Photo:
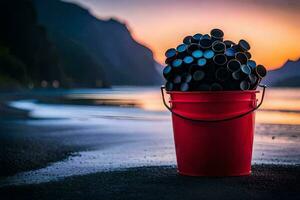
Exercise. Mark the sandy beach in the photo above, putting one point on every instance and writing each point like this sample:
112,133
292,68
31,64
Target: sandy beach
266,182
76,151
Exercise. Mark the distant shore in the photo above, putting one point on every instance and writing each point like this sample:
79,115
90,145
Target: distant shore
266,182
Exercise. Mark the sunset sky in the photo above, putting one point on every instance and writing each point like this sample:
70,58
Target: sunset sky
271,27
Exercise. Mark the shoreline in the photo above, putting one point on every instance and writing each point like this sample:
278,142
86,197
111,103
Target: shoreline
41,147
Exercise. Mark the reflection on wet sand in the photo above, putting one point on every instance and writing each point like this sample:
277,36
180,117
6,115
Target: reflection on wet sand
274,117
147,99
281,106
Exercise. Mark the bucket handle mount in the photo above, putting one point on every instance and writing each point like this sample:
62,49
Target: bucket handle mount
213,120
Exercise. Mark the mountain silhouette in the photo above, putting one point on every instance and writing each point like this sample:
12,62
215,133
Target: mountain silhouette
286,76
107,43
26,54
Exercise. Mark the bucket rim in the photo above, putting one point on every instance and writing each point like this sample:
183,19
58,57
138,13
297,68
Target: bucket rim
214,92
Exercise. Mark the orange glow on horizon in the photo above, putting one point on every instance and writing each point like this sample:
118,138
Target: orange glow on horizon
272,30
273,38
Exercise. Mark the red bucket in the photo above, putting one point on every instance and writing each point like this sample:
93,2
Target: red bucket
213,131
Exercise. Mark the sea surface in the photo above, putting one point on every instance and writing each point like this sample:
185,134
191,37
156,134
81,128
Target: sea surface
136,130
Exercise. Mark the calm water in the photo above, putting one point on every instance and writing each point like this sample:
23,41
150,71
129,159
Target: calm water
281,106
139,130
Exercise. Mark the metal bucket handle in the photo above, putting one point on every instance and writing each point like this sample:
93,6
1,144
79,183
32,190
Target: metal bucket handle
213,120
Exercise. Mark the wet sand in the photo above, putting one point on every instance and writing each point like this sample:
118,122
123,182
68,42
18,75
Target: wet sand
266,182
24,147
50,149
41,146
